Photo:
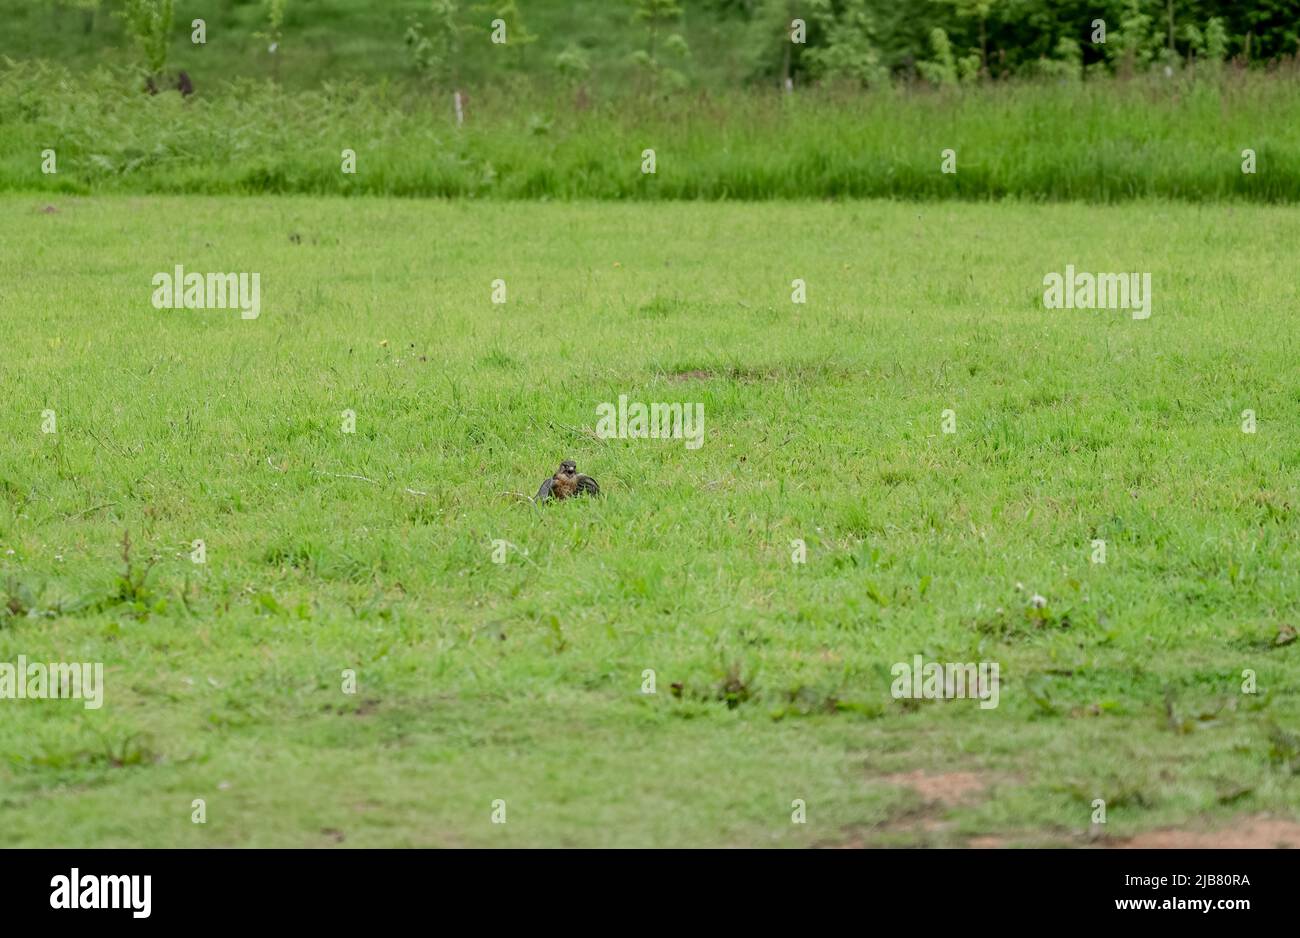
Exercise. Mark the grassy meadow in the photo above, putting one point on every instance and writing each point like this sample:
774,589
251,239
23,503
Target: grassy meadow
1102,142
522,680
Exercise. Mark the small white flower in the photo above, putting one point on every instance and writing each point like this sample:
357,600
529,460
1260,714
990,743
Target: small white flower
1038,602
1020,587
272,47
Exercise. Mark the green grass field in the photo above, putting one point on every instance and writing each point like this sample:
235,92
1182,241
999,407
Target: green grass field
522,681
1104,141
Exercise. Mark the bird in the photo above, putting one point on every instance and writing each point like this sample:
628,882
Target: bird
566,483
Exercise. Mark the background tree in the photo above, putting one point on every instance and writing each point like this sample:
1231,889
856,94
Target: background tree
150,22
518,38
846,49
274,32
662,20
1133,46
433,48
977,12
1066,64
769,52
941,69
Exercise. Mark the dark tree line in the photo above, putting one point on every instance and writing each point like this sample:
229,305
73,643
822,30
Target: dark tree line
875,40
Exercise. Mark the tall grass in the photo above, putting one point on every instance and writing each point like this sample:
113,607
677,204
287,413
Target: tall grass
1105,141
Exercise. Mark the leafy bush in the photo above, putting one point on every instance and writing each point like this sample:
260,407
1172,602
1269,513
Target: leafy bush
847,51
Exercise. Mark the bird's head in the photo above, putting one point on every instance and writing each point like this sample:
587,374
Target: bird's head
568,468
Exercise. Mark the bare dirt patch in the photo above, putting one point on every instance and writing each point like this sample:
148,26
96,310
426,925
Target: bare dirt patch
945,788
1259,832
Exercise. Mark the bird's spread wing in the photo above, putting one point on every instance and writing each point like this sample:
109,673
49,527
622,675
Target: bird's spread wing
588,484
545,491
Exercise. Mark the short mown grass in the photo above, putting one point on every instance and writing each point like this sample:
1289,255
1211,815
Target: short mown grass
522,681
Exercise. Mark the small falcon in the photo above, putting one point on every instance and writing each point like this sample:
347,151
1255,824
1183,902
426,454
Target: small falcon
566,483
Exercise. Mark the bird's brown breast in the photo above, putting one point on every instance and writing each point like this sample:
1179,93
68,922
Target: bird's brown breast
565,486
